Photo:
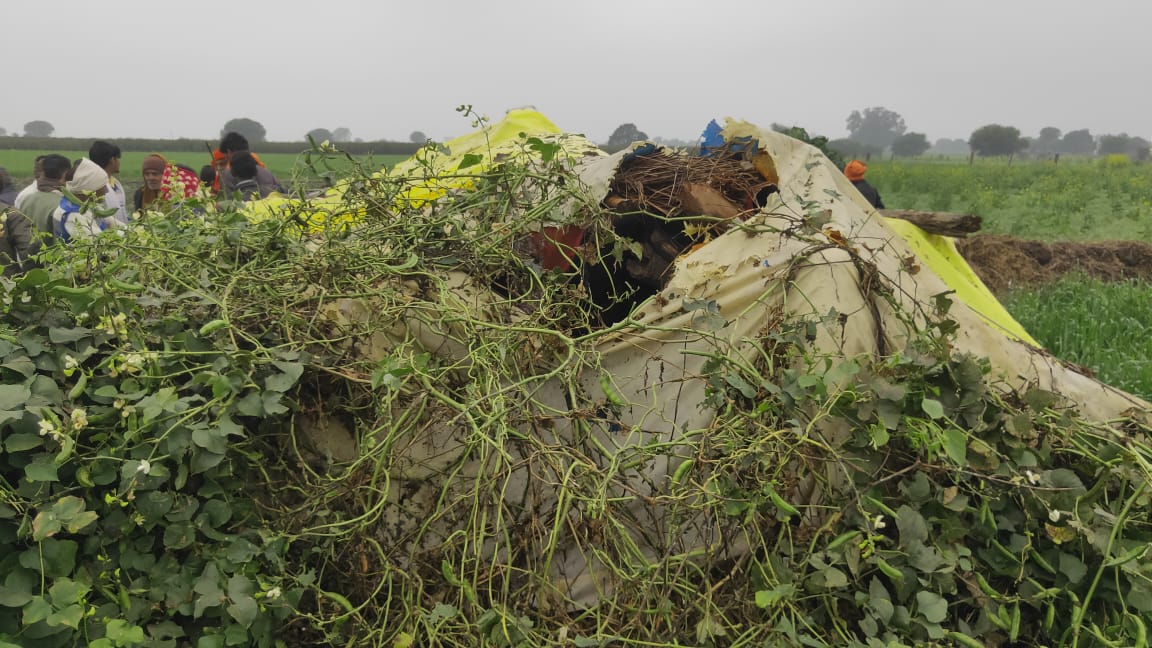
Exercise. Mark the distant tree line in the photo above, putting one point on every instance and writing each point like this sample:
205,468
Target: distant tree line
872,131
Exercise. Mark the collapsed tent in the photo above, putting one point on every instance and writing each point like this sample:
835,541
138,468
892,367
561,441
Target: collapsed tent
811,257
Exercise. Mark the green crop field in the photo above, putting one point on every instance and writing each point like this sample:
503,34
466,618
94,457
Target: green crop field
1098,325
1106,199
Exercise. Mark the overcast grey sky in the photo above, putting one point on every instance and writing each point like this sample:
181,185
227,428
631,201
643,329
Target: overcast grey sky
145,68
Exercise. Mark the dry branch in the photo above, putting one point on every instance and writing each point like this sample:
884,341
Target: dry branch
943,223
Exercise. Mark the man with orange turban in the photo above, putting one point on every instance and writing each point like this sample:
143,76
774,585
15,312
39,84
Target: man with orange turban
855,171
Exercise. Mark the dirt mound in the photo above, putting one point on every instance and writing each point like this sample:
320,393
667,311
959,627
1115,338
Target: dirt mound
1004,262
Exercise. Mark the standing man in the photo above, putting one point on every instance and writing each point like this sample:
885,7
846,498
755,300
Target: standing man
40,205
855,171
107,156
30,189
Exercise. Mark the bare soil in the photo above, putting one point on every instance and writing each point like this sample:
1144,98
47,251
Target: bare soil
1004,263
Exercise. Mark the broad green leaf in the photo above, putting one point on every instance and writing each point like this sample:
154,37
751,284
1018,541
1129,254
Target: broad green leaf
56,557
1140,596
59,335
1072,567
179,535
18,587
469,160
251,404
442,611
932,408
211,641
740,385
769,598
1040,399
244,610
241,551
834,578
230,427
205,460
292,370
879,435
81,521
1063,478
956,445
886,390
890,414
124,633
210,439
13,397
70,616
45,392
22,365
66,591
41,470
880,601
239,586
216,513
45,525
164,400
37,609
271,402
236,635
913,528
917,488
22,441
932,606
67,507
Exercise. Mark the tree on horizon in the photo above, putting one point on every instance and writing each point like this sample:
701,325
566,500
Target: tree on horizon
250,128
38,128
876,126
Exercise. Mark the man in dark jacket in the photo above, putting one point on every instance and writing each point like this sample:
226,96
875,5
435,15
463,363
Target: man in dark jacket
855,171
234,142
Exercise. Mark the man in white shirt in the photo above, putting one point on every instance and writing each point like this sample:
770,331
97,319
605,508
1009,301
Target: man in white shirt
37,170
107,156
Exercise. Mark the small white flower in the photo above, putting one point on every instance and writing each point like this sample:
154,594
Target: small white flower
47,427
1033,478
79,419
70,362
273,593
133,362
144,467
1054,515
24,299
879,522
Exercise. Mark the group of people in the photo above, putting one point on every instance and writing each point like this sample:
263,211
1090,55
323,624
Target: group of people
70,199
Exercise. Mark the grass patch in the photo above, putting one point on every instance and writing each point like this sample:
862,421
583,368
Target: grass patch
1075,200
1103,326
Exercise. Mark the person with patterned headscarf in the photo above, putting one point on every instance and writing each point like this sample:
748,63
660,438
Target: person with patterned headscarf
855,171
164,181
